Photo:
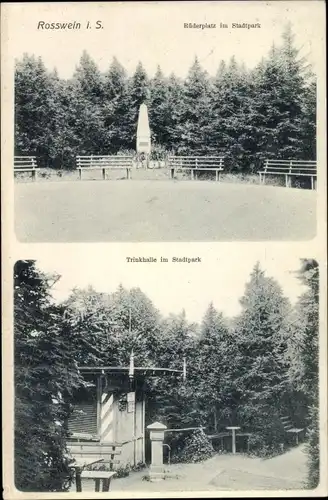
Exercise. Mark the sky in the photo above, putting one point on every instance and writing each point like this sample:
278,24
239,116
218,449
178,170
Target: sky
154,33
220,277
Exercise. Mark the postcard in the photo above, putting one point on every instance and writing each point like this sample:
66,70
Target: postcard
164,228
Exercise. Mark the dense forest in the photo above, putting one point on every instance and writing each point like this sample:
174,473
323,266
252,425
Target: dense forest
251,370
244,114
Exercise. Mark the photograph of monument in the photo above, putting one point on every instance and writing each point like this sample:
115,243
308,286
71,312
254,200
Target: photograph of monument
211,139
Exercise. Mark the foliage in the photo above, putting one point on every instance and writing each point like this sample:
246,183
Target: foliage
45,376
245,115
260,372
303,355
313,449
211,377
197,448
249,371
106,328
195,114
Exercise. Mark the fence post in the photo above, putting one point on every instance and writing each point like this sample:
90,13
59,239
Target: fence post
78,481
156,472
233,430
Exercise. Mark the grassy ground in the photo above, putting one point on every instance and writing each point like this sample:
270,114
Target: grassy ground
92,211
225,472
51,175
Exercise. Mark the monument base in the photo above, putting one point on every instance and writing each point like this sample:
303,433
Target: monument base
156,473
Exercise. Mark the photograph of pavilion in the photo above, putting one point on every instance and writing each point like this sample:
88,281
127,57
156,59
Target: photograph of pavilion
212,139
208,382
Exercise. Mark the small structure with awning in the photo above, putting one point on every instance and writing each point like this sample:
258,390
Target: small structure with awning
110,412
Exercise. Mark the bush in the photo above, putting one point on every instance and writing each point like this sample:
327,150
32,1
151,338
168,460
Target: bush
122,471
260,448
158,153
126,152
197,448
312,448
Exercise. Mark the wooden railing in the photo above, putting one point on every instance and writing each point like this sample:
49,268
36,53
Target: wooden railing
290,429
104,163
26,164
196,164
86,454
290,169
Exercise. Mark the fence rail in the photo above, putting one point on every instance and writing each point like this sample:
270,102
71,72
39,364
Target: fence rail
103,163
196,164
26,164
290,169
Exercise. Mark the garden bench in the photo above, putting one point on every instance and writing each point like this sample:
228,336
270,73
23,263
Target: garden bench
104,163
290,169
290,429
196,164
26,164
87,453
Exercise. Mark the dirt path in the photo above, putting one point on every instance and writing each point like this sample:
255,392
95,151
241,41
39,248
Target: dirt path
90,211
226,472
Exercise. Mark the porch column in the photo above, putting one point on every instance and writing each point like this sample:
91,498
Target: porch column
106,430
156,472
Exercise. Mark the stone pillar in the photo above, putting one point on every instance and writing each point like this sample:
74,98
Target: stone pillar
156,472
233,430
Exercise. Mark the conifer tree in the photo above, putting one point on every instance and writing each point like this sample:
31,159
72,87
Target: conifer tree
309,120
212,384
89,79
139,87
117,104
87,106
277,111
171,399
45,376
36,110
107,327
304,361
294,87
229,121
260,372
158,109
174,113
195,116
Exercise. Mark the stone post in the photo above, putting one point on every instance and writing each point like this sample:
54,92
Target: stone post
156,472
233,430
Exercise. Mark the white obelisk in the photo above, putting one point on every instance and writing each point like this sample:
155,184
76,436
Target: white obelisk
143,131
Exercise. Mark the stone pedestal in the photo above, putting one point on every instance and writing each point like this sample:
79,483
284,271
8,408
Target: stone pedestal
156,472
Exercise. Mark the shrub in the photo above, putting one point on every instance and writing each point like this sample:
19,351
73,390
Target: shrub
197,448
123,471
158,152
124,152
312,448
